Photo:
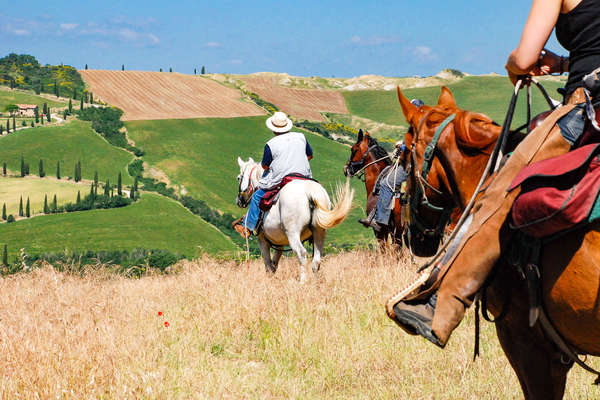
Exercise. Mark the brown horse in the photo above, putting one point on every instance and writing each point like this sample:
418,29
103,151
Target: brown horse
369,158
570,271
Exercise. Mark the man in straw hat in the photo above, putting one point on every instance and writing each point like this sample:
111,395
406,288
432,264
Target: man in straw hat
287,153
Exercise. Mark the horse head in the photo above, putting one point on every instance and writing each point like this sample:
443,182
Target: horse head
448,149
363,153
247,181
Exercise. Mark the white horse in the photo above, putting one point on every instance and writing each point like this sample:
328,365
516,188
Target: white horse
302,211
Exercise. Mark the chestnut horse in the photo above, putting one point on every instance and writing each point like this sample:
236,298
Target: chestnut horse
368,158
570,273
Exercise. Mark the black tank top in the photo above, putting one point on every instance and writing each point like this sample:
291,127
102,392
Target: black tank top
578,31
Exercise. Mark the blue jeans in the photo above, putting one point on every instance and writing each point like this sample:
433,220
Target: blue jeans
386,194
253,214
571,125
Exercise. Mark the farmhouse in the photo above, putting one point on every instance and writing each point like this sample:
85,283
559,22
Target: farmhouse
26,110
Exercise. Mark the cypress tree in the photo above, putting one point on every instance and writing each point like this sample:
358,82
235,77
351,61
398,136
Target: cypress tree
65,113
4,168
134,188
119,186
194,71
42,120
170,69
75,174
48,115
122,67
4,211
42,173
32,124
203,70
21,206
78,198
81,103
22,166
36,112
56,92
14,123
45,109
1,129
92,194
26,168
96,178
58,170
46,210
74,94
91,98
5,256
54,205
107,188
86,67
7,125
27,209
70,106
160,70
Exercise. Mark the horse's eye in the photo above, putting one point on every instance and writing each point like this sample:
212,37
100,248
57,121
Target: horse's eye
239,178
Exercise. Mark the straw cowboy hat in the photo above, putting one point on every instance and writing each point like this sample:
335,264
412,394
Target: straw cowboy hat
279,123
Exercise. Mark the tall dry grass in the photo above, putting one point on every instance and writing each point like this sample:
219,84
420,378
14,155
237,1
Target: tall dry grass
237,333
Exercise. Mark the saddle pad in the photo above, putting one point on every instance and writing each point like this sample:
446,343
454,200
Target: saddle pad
271,195
558,193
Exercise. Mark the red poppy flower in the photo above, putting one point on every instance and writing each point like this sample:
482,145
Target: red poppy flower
159,313
167,324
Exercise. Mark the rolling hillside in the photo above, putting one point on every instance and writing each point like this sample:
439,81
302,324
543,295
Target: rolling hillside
68,143
145,95
154,222
8,96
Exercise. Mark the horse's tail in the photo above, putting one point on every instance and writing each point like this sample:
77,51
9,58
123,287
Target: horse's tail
326,218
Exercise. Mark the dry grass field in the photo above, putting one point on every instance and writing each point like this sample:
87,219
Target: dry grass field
235,333
144,95
300,103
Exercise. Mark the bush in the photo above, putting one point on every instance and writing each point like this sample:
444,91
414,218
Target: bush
107,122
10,218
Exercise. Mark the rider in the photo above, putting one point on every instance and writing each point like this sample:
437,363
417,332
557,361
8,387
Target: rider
380,215
287,153
440,305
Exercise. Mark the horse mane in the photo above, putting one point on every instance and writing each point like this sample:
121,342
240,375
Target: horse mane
475,130
378,151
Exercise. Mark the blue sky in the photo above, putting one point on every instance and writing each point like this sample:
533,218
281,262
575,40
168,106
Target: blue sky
324,38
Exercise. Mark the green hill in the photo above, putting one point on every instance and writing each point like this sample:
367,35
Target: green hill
8,96
154,222
25,72
68,144
486,94
200,156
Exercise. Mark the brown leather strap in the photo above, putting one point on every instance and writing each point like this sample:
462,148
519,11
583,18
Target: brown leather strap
576,97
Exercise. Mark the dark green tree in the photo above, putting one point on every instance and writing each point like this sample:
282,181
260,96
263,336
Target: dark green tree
26,168
119,185
56,92
96,180
160,70
107,188
70,106
4,168
91,98
4,211
7,125
5,256
134,188
58,170
32,124
41,169
78,198
45,109
27,209
170,69
81,103
92,194
203,70
38,89
46,209
86,67
22,166
36,112
54,204
122,67
14,124
74,94
65,113
21,206
194,71
48,116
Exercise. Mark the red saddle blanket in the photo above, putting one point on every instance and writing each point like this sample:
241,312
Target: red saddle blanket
270,196
558,193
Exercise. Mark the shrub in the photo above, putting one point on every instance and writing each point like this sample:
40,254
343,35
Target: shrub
10,218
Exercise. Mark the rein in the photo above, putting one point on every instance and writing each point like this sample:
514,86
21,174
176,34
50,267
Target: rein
360,173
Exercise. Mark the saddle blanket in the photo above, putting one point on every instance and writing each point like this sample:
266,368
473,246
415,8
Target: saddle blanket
271,195
558,193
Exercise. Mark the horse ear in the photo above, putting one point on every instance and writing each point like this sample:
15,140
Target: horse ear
367,134
360,136
240,162
251,160
446,98
408,108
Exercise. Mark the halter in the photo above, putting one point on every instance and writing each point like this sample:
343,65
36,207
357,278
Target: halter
420,197
250,190
361,172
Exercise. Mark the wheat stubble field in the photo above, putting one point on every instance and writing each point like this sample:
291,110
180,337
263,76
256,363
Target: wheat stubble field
236,333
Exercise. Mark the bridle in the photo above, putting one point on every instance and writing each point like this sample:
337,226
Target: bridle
360,164
249,190
420,199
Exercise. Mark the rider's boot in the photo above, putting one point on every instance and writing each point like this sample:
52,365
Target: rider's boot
238,226
370,222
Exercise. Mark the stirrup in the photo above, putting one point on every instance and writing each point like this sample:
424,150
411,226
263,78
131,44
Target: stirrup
411,290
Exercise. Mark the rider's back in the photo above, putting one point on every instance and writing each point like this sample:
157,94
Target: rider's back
289,156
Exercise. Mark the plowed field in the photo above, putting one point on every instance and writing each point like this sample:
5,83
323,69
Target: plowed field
144,95
300,103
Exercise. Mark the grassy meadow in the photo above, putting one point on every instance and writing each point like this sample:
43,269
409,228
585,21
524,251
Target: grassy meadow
200,155
234,333
485,94
154,222
12,188
67,143
8,96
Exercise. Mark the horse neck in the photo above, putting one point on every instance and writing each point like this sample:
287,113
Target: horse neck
256,174
372,173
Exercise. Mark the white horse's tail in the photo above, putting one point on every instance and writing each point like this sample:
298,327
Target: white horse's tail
325,218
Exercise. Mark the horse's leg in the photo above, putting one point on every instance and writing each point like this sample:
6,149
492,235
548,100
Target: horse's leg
318,244
298,248
276,257
265,251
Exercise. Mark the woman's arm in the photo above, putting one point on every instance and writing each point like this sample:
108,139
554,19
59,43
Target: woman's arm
540,23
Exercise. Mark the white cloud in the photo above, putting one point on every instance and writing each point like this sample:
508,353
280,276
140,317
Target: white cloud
213,44
68,26
236,61
374,40
424,53
20,32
